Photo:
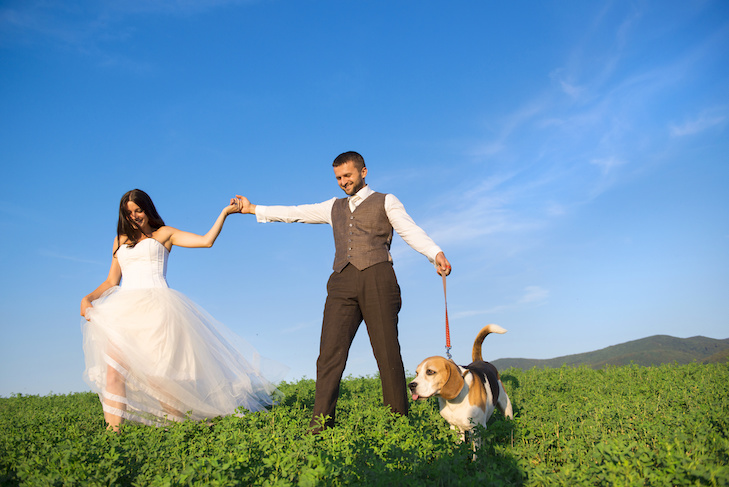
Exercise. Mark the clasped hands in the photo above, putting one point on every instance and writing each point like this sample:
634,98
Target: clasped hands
241,204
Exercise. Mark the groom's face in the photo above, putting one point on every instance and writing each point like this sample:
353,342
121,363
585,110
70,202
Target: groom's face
349,178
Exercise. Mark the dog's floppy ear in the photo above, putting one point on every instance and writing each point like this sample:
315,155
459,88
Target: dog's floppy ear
454,382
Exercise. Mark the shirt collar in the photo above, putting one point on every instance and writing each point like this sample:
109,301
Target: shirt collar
364,192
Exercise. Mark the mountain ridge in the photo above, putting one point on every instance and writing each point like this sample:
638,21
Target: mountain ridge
653,350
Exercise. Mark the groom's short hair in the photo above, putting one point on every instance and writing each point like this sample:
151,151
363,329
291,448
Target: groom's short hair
352,156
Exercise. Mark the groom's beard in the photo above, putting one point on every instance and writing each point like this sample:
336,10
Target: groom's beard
354,189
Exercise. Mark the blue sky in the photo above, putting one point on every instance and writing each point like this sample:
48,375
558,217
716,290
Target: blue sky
570,158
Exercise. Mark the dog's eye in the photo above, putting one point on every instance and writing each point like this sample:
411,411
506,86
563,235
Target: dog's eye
429,372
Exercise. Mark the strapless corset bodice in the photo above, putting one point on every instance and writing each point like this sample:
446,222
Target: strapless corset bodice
144,265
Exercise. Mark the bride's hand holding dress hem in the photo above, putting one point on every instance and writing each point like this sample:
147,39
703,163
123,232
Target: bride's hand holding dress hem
112,280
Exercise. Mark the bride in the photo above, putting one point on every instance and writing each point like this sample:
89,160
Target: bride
151,353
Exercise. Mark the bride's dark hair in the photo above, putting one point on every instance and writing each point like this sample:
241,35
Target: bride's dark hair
125,226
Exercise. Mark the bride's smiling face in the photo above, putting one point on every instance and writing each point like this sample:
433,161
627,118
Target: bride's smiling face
137,216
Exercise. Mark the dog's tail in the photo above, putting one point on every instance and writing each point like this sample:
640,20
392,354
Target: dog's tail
476,355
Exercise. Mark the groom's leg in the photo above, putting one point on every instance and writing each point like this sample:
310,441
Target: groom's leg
342,318
380,303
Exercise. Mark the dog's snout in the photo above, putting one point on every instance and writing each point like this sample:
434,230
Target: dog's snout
413,385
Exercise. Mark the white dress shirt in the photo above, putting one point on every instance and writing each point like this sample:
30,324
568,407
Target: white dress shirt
401,222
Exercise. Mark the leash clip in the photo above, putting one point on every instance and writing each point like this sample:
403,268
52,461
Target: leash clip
448,353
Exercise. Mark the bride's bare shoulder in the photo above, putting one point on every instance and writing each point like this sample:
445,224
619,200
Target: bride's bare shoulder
163,233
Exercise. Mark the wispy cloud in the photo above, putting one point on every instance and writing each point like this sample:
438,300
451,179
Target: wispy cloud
532,296
541,164
480,312
607,164
554,154
56,255
509,124
170,6
298,327
697,125
32,22
488,209
90,28
567,86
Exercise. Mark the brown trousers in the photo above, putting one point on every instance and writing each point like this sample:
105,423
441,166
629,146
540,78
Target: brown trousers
353,295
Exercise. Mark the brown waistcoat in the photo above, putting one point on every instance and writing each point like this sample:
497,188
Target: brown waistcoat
362,237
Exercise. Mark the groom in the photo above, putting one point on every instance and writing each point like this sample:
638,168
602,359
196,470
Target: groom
363,285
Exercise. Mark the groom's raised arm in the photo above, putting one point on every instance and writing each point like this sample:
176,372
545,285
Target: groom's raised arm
316,213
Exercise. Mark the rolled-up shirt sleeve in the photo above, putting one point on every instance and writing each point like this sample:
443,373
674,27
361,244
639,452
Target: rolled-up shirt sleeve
411,233
314,213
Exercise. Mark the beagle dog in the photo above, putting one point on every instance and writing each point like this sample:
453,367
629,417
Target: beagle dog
467,395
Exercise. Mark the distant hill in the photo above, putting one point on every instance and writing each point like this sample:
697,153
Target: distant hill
655,350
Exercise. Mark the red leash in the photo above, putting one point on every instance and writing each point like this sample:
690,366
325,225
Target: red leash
448,331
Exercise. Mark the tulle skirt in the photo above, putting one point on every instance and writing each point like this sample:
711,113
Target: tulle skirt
176,361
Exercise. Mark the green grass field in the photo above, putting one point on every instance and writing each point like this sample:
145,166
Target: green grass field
630,425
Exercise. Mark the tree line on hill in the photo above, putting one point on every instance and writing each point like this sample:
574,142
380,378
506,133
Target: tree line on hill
650,351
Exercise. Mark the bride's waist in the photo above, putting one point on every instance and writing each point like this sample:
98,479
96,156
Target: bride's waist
144,283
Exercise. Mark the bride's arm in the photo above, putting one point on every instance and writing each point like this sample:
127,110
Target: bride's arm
173,236
112,280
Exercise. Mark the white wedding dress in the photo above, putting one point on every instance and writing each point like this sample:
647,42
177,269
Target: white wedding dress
177,361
